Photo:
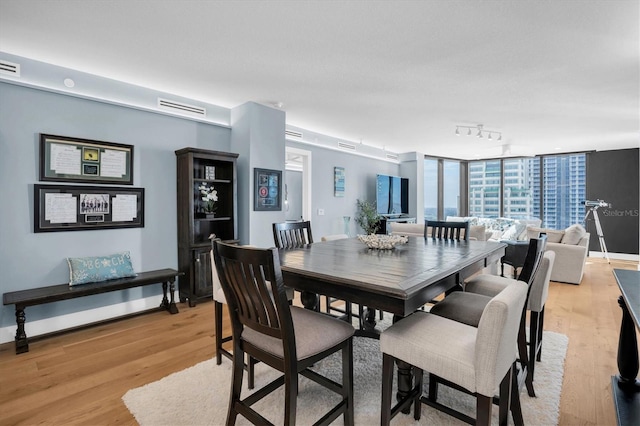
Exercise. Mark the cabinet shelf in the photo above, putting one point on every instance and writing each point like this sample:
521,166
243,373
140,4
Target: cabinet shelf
194,165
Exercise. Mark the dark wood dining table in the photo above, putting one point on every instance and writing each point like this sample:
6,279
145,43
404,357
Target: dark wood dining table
398,281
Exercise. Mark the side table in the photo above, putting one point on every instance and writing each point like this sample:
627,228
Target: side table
514,254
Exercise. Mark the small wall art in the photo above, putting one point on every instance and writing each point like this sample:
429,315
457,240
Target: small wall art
338,181
267,190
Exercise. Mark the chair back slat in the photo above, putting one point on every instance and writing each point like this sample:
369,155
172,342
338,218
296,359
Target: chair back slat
252,282
292,234
532,261
443,230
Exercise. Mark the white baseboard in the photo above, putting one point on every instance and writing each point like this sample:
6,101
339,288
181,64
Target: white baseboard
61,322
616,256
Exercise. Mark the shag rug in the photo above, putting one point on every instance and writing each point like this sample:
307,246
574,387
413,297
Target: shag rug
199,395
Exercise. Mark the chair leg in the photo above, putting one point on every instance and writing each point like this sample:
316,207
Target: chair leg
484,404
236,384
505,398
387,383
516,408
540,333
433,388
290,398
251,362
347,383
534,322
418,374
218,330
523,354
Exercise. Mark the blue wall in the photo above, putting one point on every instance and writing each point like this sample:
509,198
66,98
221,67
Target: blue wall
30,260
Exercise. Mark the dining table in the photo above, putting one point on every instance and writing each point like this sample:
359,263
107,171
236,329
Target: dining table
399,281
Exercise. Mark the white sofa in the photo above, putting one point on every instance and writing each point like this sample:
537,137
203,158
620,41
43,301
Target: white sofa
417,230
571,247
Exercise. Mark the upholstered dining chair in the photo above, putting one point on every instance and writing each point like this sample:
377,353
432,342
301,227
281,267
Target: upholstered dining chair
446,230
467,306
476,360
288,338
489,285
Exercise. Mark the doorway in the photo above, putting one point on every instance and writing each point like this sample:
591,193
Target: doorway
297,192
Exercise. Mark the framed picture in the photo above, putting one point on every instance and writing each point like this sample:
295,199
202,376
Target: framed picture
65,159
338,181
77,208
267,190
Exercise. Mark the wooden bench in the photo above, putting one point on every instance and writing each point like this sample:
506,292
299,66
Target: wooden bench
56,293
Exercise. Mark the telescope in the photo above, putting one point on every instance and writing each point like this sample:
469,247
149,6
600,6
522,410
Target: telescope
597,203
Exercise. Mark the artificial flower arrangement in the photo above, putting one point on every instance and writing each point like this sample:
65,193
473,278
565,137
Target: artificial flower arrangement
209,196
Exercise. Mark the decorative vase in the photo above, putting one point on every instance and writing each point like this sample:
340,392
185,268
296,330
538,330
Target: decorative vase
347,223
210,215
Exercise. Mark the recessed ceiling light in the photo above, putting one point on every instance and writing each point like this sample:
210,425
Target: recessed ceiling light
69,82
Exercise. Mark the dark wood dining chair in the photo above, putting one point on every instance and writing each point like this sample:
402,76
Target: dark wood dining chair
298,234
444,230
288,338
292,234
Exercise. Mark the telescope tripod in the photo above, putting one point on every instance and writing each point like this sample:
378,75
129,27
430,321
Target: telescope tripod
603,245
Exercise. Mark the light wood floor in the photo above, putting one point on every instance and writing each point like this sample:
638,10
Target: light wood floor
80,377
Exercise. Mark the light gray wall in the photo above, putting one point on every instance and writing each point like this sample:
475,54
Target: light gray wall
258,136
293,203
360,183
30,260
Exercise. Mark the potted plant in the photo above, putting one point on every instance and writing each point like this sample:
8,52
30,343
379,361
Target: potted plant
209,196
367,217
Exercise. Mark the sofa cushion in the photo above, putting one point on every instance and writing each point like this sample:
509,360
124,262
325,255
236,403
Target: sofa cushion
553,236
513,232
573,234
84,270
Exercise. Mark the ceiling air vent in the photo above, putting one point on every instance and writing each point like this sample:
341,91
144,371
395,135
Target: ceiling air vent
9,68
293,133
180,107
348,146
392,157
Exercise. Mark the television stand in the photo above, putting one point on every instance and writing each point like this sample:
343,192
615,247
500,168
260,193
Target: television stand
385,220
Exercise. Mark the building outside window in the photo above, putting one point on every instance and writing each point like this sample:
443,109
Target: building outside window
430,189
451,185
551,188
484,188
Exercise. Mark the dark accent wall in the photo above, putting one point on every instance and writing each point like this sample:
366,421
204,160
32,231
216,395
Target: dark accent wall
613,176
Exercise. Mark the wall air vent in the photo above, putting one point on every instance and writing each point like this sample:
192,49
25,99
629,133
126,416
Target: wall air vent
9,68
293,134
348,146
180,107
393,157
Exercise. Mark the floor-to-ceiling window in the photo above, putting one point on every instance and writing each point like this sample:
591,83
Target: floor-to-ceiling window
441,188
564,190
451,188
550,187
485,184
521,186
430,189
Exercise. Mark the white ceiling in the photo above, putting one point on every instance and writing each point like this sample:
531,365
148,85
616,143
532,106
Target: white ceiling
552,76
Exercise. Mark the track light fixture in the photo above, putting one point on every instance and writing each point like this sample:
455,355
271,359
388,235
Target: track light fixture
481,132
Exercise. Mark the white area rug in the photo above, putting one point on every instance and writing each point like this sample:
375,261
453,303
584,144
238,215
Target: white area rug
199,395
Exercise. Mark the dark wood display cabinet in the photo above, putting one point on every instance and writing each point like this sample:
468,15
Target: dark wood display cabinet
197,169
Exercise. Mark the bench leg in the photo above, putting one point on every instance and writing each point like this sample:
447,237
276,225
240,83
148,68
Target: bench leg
22,344
169,306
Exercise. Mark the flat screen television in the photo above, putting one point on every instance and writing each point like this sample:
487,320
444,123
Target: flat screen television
392,195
